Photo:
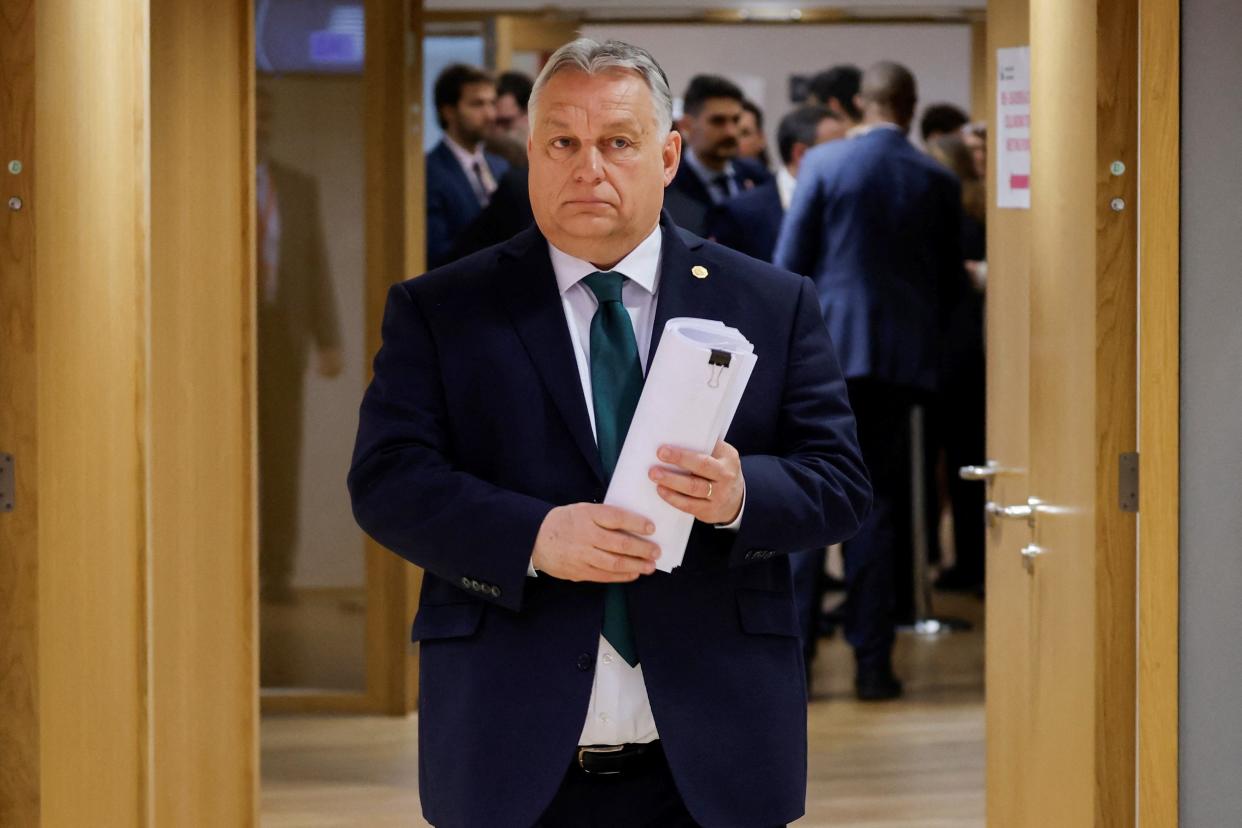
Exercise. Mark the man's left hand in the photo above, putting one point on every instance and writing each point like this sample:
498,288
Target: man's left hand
710,487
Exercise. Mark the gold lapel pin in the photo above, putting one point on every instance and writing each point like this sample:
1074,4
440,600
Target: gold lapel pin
699,272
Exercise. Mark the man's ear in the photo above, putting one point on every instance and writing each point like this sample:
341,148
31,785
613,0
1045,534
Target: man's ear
860,103
795,155
671,155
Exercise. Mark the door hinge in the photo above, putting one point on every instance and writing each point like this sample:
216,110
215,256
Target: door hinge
1128,482
8,482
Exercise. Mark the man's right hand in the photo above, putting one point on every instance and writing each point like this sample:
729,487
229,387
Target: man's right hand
593,542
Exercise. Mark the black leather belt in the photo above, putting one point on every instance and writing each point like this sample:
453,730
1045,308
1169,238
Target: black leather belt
617,760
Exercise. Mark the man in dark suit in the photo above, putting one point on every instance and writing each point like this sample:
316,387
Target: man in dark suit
876,223
563,681
461,176
506,215
751,222
711,171
296,313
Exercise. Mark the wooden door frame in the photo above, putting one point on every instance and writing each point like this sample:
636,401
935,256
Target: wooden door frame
394,243
1159,418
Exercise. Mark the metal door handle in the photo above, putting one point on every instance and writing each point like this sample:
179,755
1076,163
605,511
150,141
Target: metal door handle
986,472
1026,511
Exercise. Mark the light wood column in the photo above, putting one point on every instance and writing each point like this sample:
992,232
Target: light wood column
203,611
1159,405
980,103
92,237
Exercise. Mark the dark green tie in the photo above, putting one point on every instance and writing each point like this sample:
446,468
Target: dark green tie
616,385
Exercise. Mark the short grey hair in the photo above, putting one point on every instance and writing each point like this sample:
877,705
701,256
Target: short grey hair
594,58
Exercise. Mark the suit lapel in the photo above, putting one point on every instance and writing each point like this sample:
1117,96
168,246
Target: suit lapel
680,292
533,303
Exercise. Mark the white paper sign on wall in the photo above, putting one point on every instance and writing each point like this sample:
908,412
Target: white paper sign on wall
1013,127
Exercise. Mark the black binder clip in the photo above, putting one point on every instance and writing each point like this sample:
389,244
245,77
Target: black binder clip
718,361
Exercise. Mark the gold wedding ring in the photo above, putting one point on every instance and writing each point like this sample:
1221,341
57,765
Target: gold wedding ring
709,490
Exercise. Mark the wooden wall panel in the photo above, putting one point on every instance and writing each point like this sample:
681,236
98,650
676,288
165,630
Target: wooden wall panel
1116,357
203,610
91,245
1159,378
1008,680
19,685
980,103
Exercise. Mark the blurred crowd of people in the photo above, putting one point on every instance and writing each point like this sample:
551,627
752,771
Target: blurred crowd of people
893,236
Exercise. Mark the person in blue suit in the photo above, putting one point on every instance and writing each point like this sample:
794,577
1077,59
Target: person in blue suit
711,171
461,176
876,224
751,222
563,680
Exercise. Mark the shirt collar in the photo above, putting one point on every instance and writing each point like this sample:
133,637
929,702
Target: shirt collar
641,266
785,185
464,156
707,176
869,128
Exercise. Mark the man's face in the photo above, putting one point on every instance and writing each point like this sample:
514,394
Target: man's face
713,132
599,163
472,118
750,139
510,119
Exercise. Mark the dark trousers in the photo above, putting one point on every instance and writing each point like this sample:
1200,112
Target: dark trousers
807,569
872,556
645,799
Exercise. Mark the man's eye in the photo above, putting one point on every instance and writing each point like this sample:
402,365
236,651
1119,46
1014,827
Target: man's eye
562,143
619,143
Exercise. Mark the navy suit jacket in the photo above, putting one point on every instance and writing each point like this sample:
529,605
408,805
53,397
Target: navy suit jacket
451,202
688,201
475,426
750,222
876,224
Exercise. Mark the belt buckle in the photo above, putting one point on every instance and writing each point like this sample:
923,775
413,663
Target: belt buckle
601,749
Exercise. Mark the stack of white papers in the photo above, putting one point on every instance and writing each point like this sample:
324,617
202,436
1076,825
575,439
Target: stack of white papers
693,388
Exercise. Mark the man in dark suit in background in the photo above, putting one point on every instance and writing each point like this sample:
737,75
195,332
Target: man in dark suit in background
296,312
711,171
876,223
751,222
461,176
564,681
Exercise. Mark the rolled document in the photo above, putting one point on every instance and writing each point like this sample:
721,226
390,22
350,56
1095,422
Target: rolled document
692,391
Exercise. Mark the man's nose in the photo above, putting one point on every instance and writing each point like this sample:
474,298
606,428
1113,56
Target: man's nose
590,164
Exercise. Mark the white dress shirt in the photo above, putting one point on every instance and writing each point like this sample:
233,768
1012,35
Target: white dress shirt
619,711
785,183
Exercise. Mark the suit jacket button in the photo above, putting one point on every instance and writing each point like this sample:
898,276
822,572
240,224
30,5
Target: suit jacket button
585,661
